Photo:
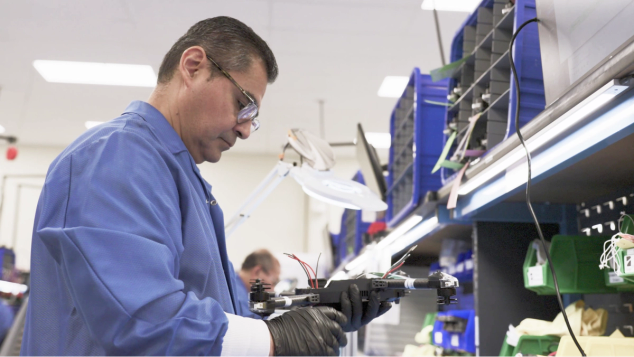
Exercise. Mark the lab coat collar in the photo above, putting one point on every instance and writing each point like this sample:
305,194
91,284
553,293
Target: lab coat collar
167,135
160,126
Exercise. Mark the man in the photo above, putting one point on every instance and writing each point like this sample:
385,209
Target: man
262,265
128,252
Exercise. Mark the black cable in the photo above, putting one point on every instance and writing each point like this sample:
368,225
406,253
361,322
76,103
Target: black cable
317,270
528,183
438,37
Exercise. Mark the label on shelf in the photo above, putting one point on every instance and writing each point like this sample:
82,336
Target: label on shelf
455,340
460,268
438,338
628,261
469,264
536,275
615,279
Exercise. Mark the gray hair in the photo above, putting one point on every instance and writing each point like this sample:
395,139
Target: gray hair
261,257
231,43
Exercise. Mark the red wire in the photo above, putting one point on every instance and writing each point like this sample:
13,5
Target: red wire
309,267
395,268
303,263
310,279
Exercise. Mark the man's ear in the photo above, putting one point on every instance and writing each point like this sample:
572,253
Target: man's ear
192,61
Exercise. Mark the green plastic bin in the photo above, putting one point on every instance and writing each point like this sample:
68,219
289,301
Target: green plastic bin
430,318
576,261
537,278
507,350
612,279
622,280
531,345
626,262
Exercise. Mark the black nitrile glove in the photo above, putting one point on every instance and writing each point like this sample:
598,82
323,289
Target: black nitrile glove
308,331
352,307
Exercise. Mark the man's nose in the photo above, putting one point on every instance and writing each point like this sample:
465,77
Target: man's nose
243,131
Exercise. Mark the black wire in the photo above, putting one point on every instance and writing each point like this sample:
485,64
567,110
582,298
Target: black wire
528,183
317,270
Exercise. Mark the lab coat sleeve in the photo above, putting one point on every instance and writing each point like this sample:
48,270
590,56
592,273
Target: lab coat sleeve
243,298
111,220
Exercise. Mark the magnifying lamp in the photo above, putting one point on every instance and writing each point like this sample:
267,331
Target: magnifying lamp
315,177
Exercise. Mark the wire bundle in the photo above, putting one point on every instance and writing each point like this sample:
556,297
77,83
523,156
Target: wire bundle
609,254
314,283
609,248
399,263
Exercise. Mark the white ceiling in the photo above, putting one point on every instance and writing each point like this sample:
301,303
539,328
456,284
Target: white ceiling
335,50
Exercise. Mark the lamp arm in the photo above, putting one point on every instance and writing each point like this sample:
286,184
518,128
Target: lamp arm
264,189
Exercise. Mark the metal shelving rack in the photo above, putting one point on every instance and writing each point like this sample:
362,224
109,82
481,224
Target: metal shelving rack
574,161
484,80
416,128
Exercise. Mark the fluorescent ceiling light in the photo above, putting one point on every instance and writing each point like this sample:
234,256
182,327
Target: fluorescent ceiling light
12,288
379,140
111,74
91,124
340,275
547,134
399,231
2,129
414,235
357,262
451,5
393,86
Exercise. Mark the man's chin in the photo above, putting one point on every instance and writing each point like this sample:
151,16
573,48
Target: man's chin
213,157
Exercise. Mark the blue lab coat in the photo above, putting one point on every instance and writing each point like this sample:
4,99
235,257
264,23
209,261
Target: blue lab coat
6,319
128,251
242,299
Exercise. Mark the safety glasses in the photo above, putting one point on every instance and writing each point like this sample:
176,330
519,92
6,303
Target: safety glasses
250,111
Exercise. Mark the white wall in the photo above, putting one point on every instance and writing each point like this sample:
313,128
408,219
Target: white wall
278,224
20,197
323,215
287,221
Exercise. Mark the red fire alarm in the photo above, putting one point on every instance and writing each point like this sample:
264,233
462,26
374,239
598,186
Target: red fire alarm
12,152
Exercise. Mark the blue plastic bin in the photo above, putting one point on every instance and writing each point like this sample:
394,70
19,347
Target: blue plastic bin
457,341
350,238
434,267
459,269
416,127
463,270
7,262
466,301
527,58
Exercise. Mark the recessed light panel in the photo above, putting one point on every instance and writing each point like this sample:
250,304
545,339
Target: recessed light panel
451,5
379,140
109,74
393,86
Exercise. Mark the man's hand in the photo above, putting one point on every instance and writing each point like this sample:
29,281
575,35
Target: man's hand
308,331
352,308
